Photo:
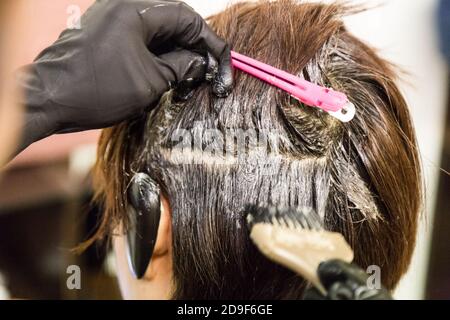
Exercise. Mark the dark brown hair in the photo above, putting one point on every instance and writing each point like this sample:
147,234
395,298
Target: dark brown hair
363,177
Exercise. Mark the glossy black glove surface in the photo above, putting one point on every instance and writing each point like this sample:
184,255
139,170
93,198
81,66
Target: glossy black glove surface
126,54
344,281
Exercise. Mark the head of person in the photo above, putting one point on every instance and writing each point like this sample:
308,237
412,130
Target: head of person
363,177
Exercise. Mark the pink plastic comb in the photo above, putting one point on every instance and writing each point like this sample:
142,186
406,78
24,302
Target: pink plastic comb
333,102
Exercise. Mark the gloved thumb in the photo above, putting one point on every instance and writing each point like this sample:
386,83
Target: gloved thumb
333,271
184,70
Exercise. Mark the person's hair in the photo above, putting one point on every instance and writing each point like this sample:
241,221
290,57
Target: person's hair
363,177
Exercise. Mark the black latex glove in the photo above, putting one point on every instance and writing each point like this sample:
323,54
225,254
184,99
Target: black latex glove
125,56
344,281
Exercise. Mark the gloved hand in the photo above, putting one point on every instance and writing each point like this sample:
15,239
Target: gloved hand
344,281
125,56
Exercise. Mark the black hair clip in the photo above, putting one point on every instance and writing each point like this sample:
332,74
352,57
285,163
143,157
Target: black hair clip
145,212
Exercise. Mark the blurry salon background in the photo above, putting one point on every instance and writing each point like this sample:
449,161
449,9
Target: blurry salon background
45,193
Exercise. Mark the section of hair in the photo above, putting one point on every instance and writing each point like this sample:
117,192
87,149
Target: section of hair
363,177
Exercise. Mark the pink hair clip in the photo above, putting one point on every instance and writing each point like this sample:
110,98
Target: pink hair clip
333,102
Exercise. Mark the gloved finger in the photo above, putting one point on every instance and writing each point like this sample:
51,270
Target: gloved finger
194,32
184,70
213,68
345,281
336,270
340,291
177,21
224,81
220,76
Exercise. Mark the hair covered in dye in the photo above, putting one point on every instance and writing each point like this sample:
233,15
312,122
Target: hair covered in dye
362,177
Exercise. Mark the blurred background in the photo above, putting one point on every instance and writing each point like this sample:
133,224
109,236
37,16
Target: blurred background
45,193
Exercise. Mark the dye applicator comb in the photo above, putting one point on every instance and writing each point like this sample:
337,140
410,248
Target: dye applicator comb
334,102
296,239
